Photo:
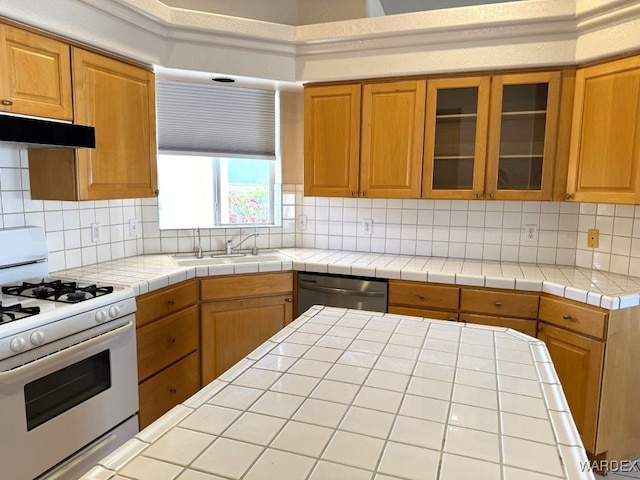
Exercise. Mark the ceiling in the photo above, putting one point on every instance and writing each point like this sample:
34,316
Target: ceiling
306,12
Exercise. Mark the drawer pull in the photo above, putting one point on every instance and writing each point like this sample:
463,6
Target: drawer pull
498,304
173,391
170,303
172,340
421,297
566,316
7,102
288,300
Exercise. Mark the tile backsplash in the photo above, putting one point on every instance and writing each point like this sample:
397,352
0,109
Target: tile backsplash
488,230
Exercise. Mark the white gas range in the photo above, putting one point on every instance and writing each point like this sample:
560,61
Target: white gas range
68,392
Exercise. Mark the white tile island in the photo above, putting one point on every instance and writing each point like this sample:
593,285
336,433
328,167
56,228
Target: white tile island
359,395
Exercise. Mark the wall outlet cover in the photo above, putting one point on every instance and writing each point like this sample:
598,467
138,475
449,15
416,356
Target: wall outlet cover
531,233
302,222
593,238
133,227
366,226
96,232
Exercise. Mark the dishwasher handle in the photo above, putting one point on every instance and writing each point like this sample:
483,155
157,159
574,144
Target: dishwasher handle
339,291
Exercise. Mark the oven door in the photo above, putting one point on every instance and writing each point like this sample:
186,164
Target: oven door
53,407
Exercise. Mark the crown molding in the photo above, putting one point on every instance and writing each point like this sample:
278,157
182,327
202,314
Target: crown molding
517,34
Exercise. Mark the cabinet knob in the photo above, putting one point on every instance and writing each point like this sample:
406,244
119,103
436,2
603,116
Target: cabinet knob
566,316
478,195
172,340
452,319
498,304
170,303
173,391
491,195
421,297
156,192
569,196
353,194
288,300
364,194
7,102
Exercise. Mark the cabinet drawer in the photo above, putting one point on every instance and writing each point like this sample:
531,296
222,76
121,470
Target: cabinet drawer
419,312
423,295
499,303
237,286
585,320
163,342
168,388
168,300
528,326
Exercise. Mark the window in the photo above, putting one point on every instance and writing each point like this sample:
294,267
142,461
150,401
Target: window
208,192
217,162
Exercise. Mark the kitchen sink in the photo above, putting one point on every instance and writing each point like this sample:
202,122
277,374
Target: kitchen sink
193,261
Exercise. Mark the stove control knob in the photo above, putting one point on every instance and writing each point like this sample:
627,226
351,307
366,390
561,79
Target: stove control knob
37,337
18,344
114,311
101,316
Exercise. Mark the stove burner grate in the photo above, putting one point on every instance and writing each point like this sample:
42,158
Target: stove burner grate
58,290
16,312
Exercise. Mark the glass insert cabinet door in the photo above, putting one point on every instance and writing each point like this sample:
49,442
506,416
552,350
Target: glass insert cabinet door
455,137
522,136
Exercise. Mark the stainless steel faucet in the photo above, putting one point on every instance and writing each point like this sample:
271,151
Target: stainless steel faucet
254,251
199,247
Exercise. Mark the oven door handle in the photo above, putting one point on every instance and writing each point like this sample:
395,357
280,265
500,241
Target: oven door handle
104,337
339,291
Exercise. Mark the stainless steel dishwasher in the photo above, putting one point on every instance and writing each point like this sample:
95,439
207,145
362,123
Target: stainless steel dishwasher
341,291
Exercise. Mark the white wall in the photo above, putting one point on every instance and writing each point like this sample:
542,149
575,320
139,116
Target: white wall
490,230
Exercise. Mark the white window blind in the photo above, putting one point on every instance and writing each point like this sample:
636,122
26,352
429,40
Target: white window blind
227,121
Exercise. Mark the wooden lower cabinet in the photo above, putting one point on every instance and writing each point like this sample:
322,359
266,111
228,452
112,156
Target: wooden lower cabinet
234,321
171,386
578,363
524,325
168,348
595,353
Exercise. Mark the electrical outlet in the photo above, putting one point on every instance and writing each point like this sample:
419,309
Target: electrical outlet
133,227
96,232
366,227
531,233
302,223
593,238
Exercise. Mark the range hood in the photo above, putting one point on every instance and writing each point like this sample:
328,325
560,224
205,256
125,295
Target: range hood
38,133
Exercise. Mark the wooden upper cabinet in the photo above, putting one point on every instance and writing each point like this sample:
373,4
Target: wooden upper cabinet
331,140
604,160
35,75
118,99
455,137
392,139
523,123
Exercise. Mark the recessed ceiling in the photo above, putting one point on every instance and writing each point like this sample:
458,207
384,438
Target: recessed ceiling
306,12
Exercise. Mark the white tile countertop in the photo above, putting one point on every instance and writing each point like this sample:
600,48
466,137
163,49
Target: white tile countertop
360,395
146,273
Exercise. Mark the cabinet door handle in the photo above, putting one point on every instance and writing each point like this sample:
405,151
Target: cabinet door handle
566,316
172,340
288,300
170,303
478,195
7,102
353,194
540,329
364,194
173,391
156,192
491,195
498,304
569,196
